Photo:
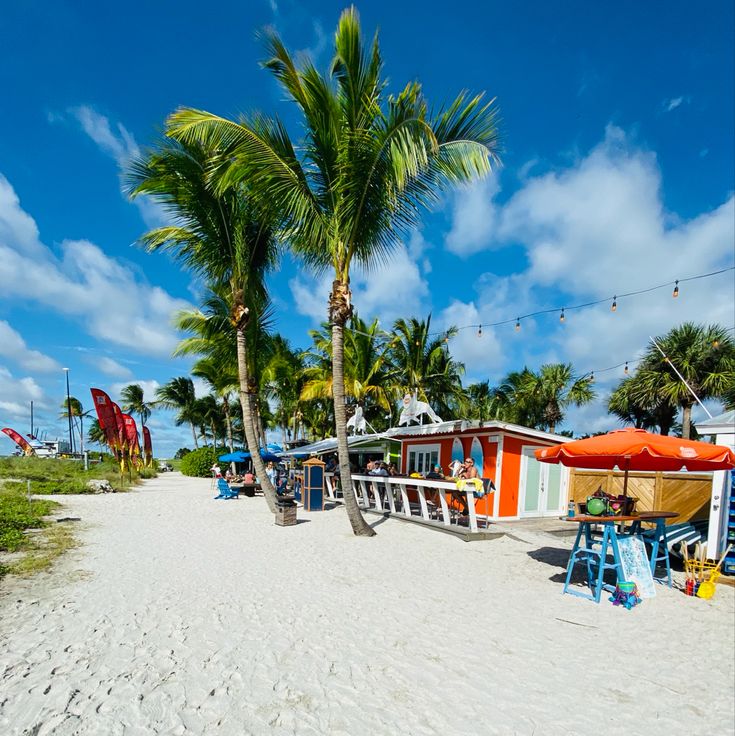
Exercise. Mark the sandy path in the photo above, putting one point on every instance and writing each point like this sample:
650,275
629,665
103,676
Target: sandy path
181,615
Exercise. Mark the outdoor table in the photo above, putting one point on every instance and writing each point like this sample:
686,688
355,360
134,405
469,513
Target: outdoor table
247,489
598,557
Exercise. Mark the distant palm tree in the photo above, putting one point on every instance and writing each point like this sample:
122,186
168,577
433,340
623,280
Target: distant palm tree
479,401
421,362
510,401
132,401
96,435
366,375
222,380
178,394
625,403
369,164
703,355
554,388
77,414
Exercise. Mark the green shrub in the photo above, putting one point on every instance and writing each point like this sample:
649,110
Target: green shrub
199,462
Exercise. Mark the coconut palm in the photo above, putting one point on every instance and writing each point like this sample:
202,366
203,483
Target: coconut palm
132,400
96,435
74,407
224,235
222,380
704,356
178,394
554,388
510,401
479,401
358,182
367,378
626,403
422,363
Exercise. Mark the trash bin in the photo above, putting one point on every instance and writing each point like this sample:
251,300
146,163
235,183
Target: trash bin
285,511
313,488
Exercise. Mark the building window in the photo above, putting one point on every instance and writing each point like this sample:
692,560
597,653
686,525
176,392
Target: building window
422,458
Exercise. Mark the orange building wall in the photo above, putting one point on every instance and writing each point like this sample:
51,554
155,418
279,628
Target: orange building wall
509,485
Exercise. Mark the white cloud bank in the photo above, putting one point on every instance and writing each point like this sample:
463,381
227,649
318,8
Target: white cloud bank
591,230
113,302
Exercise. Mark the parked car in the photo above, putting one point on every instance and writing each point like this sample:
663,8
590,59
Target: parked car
164,467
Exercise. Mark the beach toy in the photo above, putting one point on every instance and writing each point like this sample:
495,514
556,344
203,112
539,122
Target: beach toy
596,506
626,595
707,588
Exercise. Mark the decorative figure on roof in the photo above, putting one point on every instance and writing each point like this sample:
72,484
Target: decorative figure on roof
413,410
357,421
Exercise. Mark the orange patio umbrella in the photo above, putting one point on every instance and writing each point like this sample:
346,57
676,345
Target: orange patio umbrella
636,449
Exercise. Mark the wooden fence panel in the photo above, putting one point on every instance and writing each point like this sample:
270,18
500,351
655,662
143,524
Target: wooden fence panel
688,494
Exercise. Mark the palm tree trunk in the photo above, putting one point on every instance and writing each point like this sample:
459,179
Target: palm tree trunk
248,424
686,421
194,435
228,424
359,526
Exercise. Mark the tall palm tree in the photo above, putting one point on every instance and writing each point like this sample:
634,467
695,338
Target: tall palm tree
178,394
223,234
367,167
510,401
133,401
703,355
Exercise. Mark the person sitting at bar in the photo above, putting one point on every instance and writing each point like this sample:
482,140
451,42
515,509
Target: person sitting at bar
435,473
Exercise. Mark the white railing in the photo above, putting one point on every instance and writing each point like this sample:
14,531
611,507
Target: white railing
390,494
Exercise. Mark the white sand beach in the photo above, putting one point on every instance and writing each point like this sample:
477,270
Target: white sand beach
182,615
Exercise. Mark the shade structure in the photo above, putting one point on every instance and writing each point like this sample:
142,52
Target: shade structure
636,449
234,457
241,457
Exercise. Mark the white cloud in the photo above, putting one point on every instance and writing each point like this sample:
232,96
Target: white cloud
111,367
315,50
675,102
120,144
597,228
110,299
474,218
393,289
14,348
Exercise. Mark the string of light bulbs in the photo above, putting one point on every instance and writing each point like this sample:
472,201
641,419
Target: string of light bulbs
563,310
613,300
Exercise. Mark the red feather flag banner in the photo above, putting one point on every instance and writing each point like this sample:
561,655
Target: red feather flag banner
147,446
131,435
19,440
104,406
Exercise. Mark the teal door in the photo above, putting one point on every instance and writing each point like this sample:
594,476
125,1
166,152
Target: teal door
531,475
540,486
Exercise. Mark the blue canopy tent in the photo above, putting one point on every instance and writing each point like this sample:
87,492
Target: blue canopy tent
241,457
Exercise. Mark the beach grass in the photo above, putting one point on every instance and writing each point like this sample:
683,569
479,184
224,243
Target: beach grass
42,549
56,476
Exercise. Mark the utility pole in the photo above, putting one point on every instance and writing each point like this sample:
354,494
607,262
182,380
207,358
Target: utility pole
68,412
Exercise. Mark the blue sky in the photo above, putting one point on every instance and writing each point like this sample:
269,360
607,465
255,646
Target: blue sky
618,174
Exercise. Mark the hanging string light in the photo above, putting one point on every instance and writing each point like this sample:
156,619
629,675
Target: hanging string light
614,304
518,324
592,376
561,316
675,293
626,371
479,330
